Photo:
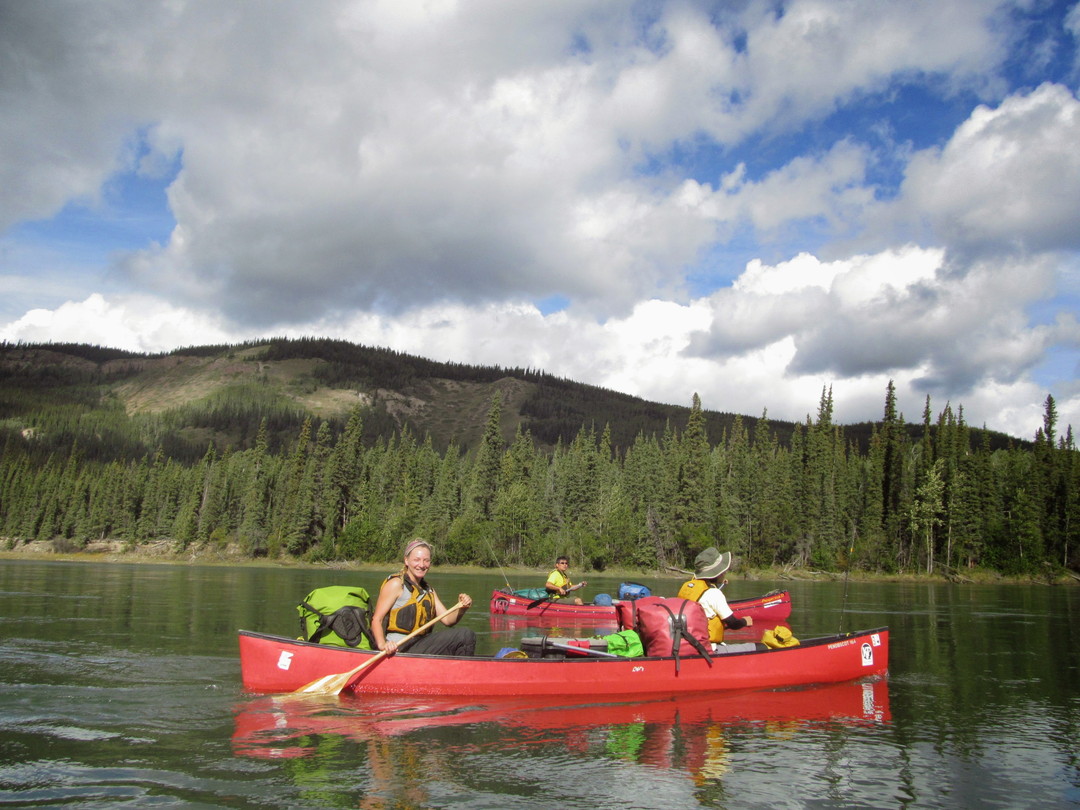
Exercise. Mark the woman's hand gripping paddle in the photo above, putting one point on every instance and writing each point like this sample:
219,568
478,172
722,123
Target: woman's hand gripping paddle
333,684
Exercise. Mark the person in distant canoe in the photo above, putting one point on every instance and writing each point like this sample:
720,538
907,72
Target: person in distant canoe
558,583
406,602
705,589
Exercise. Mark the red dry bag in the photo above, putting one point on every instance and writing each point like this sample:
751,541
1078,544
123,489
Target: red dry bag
667,626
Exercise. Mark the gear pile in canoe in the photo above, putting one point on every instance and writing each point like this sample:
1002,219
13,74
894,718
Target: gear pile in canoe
771,608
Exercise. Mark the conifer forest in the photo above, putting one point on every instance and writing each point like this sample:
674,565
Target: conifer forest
941,499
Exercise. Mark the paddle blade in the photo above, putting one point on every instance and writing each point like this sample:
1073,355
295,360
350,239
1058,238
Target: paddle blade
327,684
333,684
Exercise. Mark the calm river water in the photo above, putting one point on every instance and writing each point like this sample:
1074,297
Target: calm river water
120,686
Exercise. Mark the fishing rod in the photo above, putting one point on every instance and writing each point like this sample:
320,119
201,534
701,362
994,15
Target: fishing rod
498,564
847,570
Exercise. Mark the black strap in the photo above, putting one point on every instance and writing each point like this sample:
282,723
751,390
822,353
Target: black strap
350,623
303,623
679,631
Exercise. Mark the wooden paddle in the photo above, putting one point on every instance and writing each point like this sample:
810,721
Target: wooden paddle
333,684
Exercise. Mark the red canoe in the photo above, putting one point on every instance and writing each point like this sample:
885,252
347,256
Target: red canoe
286,726
772,608
278,664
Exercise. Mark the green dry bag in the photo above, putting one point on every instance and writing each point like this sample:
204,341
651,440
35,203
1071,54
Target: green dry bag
626,643
337,615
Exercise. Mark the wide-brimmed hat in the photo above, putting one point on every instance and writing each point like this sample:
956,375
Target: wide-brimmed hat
711,563
779,637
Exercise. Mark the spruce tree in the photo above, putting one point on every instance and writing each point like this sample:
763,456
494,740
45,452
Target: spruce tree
487,462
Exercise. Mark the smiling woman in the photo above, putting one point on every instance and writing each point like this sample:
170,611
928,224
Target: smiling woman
406,603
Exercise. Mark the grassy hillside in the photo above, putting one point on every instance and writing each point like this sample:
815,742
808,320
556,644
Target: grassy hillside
121,404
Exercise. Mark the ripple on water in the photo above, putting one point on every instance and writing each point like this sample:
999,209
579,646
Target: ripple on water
66,732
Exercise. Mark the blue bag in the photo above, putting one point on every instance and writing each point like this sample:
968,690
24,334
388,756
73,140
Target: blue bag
629,591
603,599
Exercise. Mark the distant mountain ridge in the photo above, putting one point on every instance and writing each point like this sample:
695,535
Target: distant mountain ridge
196,395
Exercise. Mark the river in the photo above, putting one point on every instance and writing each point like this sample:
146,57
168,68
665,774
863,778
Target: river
120,686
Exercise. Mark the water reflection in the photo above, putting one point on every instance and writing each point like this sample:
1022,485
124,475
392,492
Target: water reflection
120,686
689,734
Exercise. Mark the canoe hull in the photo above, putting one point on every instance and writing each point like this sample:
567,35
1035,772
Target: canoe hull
276,664
772,608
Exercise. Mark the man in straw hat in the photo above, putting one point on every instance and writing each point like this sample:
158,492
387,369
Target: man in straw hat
705,589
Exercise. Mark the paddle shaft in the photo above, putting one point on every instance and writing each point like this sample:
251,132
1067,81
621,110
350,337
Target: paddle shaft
581,650
333,684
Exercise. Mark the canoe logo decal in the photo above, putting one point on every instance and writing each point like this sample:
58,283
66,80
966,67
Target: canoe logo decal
867,655
284,660
500,605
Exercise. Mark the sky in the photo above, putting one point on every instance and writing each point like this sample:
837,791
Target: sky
754,201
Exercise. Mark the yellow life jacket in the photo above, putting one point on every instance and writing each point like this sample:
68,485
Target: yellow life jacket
559,580
419,608
694,589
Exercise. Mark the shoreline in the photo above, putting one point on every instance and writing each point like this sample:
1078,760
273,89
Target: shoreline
158,554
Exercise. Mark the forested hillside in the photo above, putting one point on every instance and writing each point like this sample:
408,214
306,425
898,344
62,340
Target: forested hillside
122,404
328,451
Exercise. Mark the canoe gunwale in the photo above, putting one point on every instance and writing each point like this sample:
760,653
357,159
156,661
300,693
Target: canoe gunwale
772,606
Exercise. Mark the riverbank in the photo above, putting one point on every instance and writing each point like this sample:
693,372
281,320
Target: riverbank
161,553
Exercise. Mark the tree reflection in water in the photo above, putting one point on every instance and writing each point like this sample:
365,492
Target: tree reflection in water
408,744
